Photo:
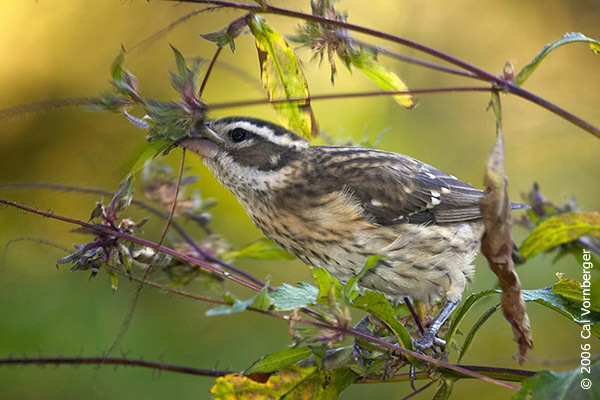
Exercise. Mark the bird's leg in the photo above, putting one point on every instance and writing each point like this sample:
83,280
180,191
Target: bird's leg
430,337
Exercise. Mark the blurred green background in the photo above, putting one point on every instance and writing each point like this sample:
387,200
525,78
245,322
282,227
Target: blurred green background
55,49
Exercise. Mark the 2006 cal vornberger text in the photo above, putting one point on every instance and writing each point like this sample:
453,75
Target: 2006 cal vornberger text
586,333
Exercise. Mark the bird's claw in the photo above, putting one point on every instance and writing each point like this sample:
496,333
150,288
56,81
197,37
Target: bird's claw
429,341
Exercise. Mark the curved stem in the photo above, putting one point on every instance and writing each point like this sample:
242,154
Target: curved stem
177,227
108,231
113,361
245,103
479,73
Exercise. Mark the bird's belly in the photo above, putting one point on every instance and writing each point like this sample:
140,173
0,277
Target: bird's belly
423,262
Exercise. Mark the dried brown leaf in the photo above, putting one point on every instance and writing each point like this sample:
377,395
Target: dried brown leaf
496,246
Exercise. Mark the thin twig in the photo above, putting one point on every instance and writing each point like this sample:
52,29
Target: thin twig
208,71
419,390
411,60
177,227
114,361
45,105
245,103
108,231
504,85
347,331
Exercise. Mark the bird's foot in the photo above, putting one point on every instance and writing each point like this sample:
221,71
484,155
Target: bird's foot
429,341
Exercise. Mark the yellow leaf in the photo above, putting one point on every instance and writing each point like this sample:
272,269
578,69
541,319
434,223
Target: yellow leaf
385,79
283,78
292,383
560,229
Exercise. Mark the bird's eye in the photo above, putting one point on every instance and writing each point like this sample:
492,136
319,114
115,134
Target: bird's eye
238,135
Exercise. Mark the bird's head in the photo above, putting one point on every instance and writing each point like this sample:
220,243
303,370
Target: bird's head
246,151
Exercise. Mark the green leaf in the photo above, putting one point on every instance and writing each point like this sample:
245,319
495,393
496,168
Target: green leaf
562,385
283,78
471,335
588,318
261,249
377,304
123,81
567,38
350,290
366,62
149,151
185,81
287,297
463,309
560,229
325,282
276,361
123,197
445,389
221,38
571,290
227,35
114,280
260,300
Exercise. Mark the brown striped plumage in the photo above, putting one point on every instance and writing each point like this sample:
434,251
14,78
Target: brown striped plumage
334,206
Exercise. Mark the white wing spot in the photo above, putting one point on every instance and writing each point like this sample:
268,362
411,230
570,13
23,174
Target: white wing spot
407,190
274,159
376,203
430,175
446,190
435,194
435,201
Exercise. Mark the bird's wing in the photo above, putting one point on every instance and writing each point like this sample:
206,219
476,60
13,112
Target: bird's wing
393,188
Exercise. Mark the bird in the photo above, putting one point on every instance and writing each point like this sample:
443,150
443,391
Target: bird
335,206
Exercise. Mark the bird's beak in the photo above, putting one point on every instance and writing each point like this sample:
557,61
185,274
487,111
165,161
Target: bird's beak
204,142
209,134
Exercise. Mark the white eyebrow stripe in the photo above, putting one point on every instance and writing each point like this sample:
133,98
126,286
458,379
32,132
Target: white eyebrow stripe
268,134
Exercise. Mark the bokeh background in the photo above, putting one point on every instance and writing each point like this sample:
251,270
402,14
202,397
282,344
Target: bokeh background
56,49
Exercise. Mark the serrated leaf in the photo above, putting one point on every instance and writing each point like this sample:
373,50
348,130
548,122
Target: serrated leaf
366,63
123,197
287,297
123,81
221,38
180,63
259,300
276,361
569,289
293,383
325,282
562,385
261,249
590,319
226,36
566,39
377,304
560,229
283,78
186,79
